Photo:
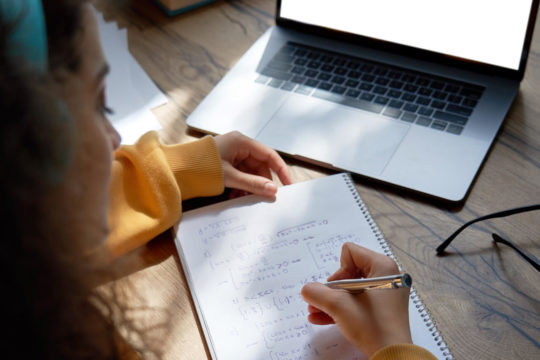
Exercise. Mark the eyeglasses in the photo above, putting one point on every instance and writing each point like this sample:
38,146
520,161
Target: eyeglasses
498,239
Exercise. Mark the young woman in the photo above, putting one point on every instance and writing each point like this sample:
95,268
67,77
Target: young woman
73,198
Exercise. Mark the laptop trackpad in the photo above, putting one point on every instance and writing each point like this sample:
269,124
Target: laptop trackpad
344,137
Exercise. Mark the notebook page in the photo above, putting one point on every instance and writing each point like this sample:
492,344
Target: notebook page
247,259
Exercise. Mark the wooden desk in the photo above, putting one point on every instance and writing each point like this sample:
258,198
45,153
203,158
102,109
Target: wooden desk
484,299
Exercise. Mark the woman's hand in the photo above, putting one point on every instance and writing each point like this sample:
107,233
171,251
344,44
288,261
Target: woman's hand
370,320
247,164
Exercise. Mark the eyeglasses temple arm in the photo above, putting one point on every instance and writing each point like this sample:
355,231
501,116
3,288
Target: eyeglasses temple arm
440,249
501,240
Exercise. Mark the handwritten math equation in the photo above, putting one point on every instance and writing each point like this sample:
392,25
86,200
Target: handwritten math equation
261,278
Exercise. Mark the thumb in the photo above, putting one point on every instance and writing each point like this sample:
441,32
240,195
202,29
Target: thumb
330,301
255,184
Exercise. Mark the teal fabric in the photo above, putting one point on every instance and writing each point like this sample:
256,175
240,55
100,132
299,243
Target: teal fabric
29,38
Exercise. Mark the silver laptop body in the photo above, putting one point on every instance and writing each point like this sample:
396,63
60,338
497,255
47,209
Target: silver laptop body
429,131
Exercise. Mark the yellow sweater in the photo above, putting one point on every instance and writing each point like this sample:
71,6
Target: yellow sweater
149,182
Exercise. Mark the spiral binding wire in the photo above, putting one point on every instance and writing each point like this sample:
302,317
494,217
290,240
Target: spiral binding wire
424,313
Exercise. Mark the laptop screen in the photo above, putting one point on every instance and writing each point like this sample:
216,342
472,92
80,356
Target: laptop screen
486,31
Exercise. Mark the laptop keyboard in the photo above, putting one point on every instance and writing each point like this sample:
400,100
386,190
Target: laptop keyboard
410,96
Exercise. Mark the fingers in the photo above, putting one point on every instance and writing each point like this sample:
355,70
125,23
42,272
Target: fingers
325,304
247,164
255,184
246,148
358,261
271,159
320,319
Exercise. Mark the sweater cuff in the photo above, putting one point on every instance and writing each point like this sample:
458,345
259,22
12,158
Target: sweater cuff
403,352
196,167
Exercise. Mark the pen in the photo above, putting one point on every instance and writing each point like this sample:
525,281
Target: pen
383,282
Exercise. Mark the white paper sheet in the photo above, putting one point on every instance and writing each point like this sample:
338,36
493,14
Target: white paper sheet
130,92
246,261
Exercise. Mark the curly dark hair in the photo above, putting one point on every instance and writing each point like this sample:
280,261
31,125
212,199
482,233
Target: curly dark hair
47,304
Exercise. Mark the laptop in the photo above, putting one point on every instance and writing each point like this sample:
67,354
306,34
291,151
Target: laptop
407,92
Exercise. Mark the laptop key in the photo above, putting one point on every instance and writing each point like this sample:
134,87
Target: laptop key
340,71
354,74
408,97
423,121
382,81
338,80
454,129
262,79
300,52
367,96
328,68
305,90
288,86
298,79
470,102
338,89
408,117
411,88
459,110
275,83
394,75
425,111
471,93
438,125
423,100
356,103
324,76
395,94
396,104
364,105
425,91
408,78
392,112
276,74
438,104
441,95
410,107
379,90
422,81
352,83
396,84
325,86
381,100
299,70
352,93
277,65
456,119
437,85
452,88
312,83
311,73
314,65
365,87
326,59
368,77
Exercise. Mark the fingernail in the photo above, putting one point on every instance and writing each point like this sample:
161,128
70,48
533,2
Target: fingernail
270,188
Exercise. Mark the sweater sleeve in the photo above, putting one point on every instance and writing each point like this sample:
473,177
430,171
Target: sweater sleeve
403,352
150,180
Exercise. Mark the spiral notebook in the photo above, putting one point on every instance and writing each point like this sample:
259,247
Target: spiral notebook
247,259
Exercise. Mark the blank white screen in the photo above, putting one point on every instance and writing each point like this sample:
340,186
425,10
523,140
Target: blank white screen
487,31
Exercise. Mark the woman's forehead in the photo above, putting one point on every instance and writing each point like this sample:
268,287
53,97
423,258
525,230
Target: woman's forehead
93,58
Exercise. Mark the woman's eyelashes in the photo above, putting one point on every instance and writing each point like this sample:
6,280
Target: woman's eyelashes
103,109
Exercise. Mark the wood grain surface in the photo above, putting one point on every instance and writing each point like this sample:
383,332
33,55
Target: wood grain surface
484,298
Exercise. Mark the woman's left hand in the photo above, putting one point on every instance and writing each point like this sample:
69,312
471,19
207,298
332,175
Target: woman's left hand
247,164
